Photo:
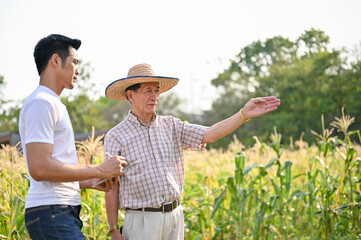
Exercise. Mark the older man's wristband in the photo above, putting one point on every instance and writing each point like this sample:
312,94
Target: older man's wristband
242,116
112,227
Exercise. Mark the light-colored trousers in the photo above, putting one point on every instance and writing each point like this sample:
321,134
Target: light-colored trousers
140,225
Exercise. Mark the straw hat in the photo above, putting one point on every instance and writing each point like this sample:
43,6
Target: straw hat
140,73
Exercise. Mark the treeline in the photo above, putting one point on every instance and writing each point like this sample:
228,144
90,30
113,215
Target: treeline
309,77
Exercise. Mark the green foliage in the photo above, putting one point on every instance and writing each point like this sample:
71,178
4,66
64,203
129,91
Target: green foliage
170,104
2,85
309,78
80,103
9,111
112,111
9,118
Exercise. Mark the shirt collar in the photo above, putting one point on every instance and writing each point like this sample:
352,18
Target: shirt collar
48,90
131,117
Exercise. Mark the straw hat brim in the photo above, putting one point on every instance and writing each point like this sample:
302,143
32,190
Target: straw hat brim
116,90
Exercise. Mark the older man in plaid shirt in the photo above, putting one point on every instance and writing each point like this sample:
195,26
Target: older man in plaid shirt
153,147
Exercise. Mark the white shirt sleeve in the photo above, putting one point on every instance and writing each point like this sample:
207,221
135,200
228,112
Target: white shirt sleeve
40,120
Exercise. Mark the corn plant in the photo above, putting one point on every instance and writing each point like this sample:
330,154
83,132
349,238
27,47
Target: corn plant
268,191
13,188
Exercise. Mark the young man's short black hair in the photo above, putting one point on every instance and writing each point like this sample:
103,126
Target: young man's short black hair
54,43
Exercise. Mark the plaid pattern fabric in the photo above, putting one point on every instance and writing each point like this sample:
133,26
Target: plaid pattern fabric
154,155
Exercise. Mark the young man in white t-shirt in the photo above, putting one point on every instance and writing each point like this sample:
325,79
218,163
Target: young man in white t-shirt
53,200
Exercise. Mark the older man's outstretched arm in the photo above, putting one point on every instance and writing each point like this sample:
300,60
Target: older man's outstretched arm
254,107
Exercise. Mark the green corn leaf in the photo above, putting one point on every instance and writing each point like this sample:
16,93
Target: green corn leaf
231,186
4,216
296,194
288,174
218,201
320,160
249,168
272,162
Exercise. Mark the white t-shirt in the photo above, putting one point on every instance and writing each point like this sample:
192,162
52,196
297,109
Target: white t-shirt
44,119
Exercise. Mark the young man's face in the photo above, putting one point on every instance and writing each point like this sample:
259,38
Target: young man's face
70,70
145,99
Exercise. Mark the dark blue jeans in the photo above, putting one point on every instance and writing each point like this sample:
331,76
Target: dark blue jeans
54,222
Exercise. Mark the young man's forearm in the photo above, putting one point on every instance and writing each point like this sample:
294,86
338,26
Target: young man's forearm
43,168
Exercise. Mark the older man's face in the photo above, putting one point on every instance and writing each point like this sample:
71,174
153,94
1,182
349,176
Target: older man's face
145,99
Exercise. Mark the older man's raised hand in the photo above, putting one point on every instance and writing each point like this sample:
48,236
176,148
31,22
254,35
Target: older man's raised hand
258,106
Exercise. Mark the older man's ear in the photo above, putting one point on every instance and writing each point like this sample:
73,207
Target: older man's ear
129,94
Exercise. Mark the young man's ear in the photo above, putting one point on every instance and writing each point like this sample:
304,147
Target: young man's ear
55,60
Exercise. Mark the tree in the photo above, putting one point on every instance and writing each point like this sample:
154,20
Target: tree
9,111
2,85
308,77
171,104
83,112
112,111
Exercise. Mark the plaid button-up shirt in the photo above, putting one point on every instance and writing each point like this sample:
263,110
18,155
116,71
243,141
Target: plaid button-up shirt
154,156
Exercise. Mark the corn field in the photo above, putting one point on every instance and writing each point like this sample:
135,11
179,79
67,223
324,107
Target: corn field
266,191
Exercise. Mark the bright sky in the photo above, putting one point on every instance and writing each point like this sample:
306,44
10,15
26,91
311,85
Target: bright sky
192,40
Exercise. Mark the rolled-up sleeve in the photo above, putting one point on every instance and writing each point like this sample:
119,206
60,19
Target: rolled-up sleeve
192,136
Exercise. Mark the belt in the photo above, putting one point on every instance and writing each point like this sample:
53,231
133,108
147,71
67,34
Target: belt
55,207
166,207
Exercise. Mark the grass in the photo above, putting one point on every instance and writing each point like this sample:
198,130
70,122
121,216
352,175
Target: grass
267,191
